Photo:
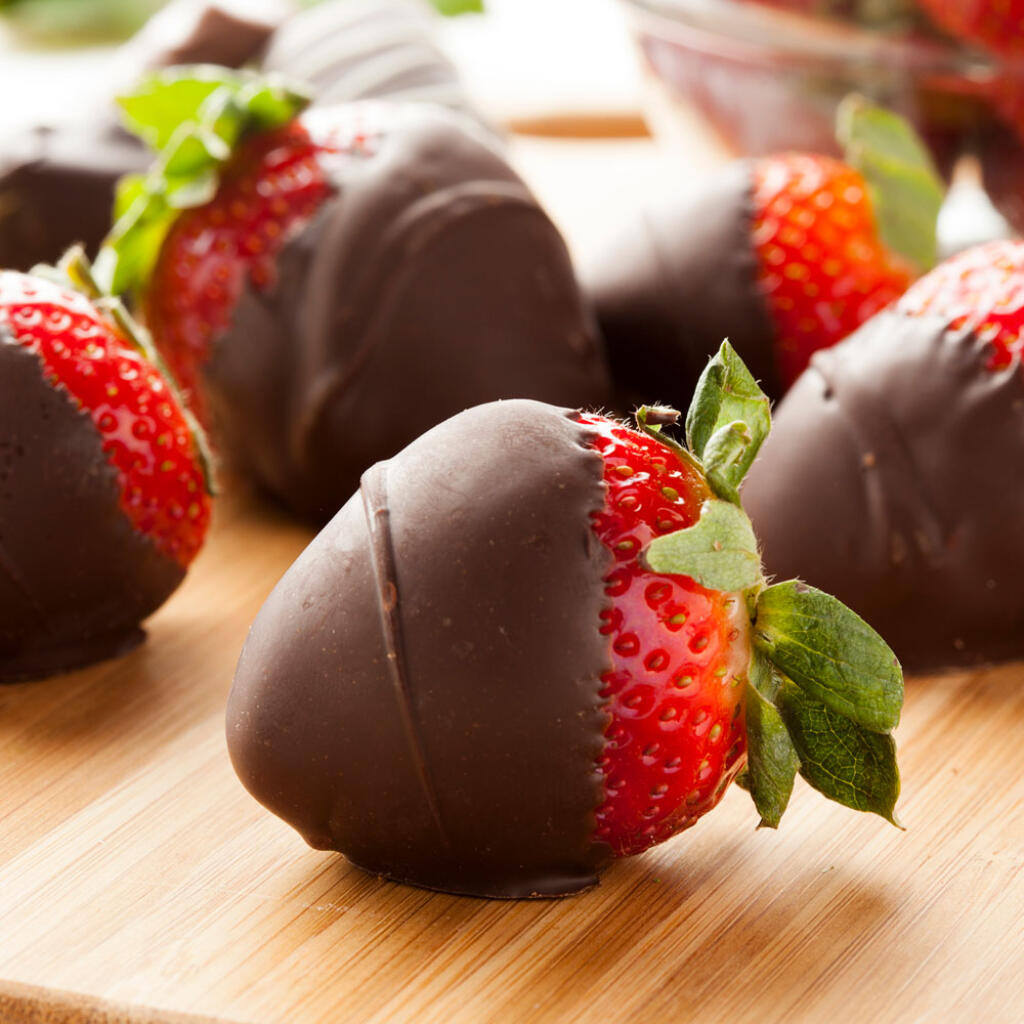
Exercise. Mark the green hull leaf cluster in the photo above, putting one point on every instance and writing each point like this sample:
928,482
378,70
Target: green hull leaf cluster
825,690
831,652
193,117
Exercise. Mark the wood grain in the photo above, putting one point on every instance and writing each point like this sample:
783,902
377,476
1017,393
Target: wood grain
134,868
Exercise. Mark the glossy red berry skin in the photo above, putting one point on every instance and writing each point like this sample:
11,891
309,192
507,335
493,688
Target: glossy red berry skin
270,188
981,288
822,267
144,433
679,654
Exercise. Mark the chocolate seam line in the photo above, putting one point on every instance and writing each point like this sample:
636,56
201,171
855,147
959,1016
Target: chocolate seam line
373,491
417,226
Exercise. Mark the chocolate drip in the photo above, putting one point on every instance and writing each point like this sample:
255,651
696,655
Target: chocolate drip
495,592
75,577
431,282
681,278
880,483
373,491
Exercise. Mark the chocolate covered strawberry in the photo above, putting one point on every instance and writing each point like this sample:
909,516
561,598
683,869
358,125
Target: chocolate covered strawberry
297,268
104,500
538,639
909,434
784,255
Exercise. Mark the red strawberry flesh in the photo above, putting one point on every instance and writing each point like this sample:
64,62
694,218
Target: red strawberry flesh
821,265
269,189
144,434
679,654
981,288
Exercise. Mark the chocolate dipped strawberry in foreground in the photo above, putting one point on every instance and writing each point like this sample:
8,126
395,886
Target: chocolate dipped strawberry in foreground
908,436
103,494
536,640
302,271
783,255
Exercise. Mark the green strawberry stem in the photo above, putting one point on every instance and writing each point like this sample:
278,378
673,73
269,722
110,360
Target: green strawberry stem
825,691
906,189
193,117
75,266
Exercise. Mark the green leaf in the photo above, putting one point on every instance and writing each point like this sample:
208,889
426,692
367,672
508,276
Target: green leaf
772,760
194,115
725,462
452,7
129,190
719,551
166,99
727,394
905,188
831,653
849,764
131,249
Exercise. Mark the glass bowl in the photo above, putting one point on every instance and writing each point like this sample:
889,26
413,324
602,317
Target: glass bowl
749,77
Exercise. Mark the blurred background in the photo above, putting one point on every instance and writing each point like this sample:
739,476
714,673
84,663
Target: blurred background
631,96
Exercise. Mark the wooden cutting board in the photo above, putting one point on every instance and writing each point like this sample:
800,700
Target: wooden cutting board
139,882
138,878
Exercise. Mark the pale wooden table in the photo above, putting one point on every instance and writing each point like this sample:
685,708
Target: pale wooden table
135,870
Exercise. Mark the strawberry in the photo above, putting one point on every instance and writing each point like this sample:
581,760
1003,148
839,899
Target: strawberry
297,268
679,653
837,242
538,639
784,254
188,238
997,27
123,457
822,266
980,290
270,188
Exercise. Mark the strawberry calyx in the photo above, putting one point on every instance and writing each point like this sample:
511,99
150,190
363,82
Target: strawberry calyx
824,691
904,186
75,268
194,116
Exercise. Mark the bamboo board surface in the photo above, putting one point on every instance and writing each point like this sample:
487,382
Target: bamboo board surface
140,883
135,869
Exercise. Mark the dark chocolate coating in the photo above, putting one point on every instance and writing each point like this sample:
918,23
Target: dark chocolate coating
421,691
674,284
76,579
201,32
57,186
430,282
888,480
359,49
